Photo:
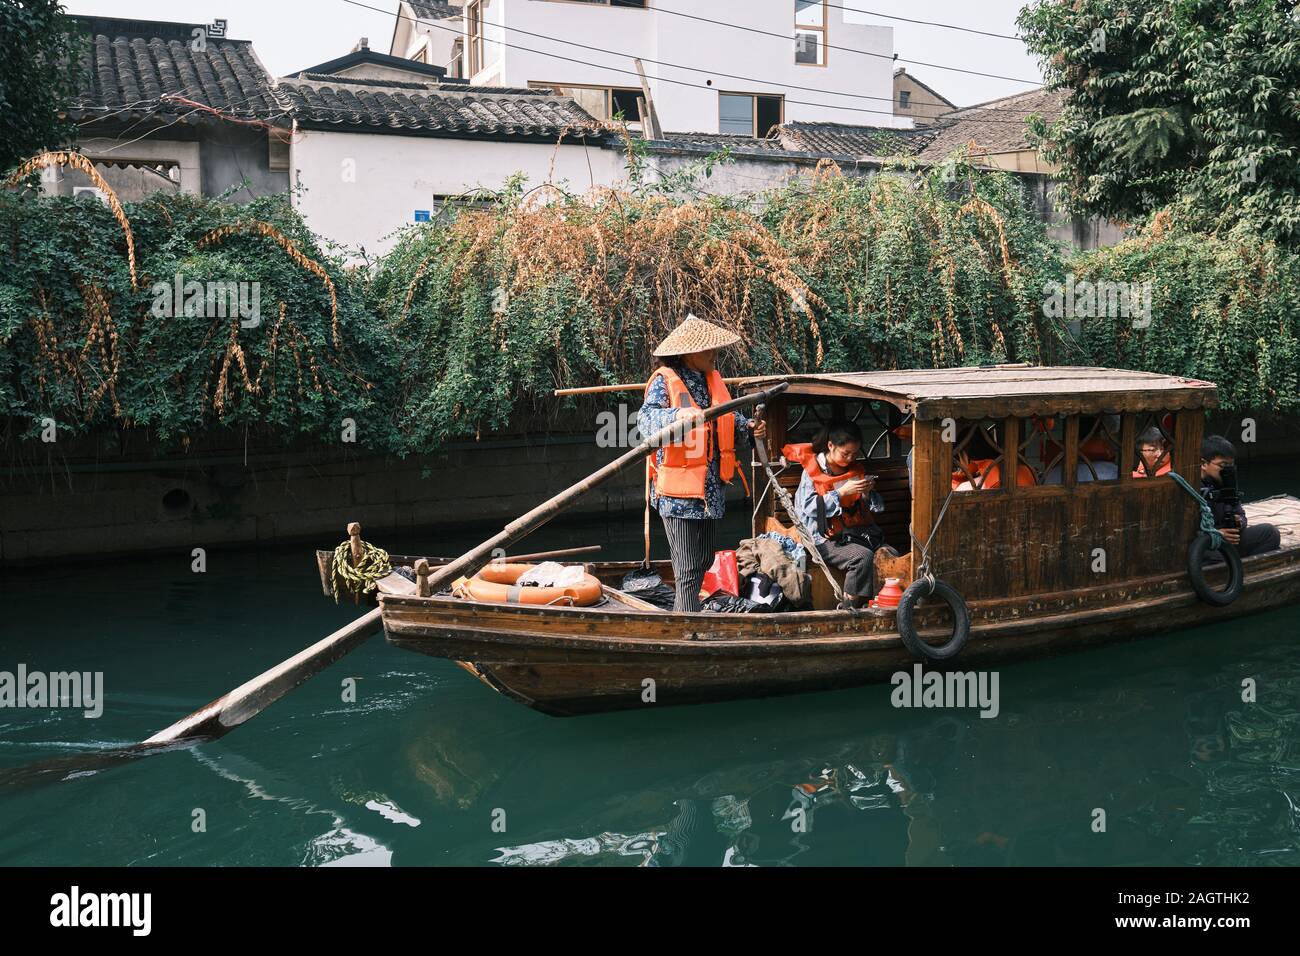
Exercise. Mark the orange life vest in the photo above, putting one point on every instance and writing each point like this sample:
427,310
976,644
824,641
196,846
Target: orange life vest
853,508
993,474
685,464
1141,472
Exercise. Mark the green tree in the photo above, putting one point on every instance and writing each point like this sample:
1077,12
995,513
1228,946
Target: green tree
40,56
1188,104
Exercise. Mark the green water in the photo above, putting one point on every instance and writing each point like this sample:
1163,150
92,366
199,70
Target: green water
428,765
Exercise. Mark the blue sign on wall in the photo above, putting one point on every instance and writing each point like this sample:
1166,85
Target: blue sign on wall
421,215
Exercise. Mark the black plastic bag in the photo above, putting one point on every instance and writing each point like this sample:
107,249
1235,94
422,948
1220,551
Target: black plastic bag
645,583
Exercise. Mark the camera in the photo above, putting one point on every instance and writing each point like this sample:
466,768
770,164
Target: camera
1226,493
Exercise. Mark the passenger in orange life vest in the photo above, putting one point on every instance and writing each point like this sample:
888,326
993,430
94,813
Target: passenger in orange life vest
686,480
1153,454
837,503
987,472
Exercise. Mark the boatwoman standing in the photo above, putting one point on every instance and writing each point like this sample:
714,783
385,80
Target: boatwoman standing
687,479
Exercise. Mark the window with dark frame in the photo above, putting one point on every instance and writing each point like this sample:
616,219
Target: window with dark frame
602,102
623,102
810,32
904,98
748,114
886,432
456,67
474,21
446,206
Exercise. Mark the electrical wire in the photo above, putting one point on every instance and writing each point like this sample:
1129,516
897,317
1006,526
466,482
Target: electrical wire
847,49
513,46
928,23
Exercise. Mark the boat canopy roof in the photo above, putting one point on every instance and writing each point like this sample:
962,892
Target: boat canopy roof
1002,391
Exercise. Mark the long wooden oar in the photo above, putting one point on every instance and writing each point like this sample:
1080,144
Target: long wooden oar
632,387
251,698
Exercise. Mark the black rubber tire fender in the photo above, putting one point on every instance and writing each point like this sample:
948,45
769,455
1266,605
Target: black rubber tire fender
1196,571
907,628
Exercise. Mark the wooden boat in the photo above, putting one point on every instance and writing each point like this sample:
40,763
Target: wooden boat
1080,553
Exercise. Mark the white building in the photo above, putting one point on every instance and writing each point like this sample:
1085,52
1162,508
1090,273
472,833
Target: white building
729,66
430,32
373,155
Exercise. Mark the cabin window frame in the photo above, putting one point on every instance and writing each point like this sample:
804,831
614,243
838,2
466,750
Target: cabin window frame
1013,443
1138,427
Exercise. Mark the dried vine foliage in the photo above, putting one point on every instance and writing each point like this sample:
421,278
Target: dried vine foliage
498,306
183,346
80,162
292,251
469,322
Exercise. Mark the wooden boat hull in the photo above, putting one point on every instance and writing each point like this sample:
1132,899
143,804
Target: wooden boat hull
571,661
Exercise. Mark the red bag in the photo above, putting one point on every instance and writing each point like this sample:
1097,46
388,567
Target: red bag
722,576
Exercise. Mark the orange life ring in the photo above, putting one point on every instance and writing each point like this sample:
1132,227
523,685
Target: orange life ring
496,585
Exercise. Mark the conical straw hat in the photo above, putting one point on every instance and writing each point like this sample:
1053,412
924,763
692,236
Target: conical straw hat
695,335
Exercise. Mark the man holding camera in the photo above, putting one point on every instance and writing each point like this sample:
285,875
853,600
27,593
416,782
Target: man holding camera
1219,488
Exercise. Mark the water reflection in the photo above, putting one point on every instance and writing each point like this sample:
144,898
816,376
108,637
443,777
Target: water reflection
1154,732
1185,771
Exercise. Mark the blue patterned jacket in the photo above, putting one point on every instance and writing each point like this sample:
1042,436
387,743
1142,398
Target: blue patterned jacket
656,414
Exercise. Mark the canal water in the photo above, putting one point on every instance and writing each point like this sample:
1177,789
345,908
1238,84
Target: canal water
430,767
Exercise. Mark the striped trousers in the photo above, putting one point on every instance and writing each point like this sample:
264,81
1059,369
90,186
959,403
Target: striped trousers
690,542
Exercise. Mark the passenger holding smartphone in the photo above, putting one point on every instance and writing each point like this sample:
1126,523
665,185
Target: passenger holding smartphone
1219,488
837,501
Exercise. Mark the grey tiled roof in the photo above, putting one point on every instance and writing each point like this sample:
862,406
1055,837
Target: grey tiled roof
334,79
437,109
433,9
848,139
825,139
718,140
997,126
133,67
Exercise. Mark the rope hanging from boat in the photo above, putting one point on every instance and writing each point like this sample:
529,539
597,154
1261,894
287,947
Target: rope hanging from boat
358,578
1207,516
923,572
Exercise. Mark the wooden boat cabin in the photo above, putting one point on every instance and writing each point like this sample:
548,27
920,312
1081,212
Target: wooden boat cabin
1080,548
1068,434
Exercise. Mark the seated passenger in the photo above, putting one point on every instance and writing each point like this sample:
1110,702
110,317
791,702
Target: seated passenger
836,501
987,472
1219,488
1153,454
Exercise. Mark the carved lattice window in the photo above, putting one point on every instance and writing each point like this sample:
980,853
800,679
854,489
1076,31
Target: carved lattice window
880,423
1098,448
1042,447
978,457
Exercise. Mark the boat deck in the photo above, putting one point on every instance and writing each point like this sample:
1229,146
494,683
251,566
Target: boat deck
1280,510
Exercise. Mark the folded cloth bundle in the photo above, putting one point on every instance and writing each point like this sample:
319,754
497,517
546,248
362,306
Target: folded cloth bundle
765,556
552,574
788,544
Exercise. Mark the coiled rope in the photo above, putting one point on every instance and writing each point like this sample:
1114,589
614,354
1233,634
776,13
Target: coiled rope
362,577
